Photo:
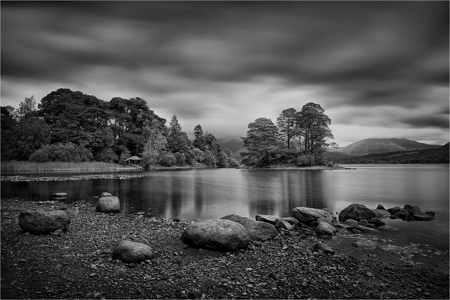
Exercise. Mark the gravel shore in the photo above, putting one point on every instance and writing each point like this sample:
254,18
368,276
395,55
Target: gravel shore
78,264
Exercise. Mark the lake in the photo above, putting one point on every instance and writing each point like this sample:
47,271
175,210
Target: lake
212,193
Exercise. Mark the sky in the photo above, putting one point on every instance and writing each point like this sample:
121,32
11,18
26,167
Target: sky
379,69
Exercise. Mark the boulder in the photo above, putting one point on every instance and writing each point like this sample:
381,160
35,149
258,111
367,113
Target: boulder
105,194
364,244
323,247
424,216
412,209
386,228
293,221
365,229
402,214
377,222
59,196
219,235
352,223
282,224
308,214
256,230
324,228
394,210
381,213
132,252
381,207
44,221
108,204
267,218
356,212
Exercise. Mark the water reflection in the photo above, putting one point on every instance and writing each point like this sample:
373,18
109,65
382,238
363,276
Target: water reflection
213,193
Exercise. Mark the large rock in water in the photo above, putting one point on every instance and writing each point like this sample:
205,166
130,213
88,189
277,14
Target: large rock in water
356,212
44,221
308,214
132,252
256,230
267,218
108,204
324,228
220,235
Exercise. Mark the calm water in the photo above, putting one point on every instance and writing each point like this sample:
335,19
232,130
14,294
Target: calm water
213,193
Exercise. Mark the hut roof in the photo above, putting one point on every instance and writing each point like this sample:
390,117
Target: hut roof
133,158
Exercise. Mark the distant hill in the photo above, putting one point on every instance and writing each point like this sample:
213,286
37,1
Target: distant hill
370,146
235,145
436,155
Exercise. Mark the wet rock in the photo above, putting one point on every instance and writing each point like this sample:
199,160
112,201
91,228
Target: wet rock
132,252
105,194
267,218
59,196
386,228
324,228
219,235
43,221
323,247
308,214
357,212
365,229
424,216
376,222
293,221
363,222
412,209
394,210
256,230
381,207
402,214
283,225
352,223
364,244
382,214
108,204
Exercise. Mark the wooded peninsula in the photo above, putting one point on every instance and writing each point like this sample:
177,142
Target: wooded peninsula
70,126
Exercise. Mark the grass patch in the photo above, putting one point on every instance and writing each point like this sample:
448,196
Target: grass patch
27,166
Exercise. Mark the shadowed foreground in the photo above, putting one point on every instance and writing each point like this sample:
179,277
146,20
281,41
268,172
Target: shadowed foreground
79,264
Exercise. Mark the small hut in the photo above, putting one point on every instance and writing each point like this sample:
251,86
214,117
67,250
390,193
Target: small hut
134,160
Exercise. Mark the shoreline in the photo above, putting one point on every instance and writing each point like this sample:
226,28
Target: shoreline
295,168
78,264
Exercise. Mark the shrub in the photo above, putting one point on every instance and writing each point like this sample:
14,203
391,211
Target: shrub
61,152
305,160
167,159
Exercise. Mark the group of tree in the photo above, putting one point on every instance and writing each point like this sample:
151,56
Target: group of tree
73,126
299,138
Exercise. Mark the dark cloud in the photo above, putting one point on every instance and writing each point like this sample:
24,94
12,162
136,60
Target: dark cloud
363,54
438,121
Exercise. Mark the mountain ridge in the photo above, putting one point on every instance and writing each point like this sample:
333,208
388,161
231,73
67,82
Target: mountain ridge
383,145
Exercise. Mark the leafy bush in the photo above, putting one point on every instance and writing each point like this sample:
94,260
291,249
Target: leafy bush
61,152
305,160
180,159
167,159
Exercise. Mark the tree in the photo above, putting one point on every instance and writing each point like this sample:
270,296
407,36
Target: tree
287,124
26,137
262,139
199,138
178,140
155,143
27,107
314,125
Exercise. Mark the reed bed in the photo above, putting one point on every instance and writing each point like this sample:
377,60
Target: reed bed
27,166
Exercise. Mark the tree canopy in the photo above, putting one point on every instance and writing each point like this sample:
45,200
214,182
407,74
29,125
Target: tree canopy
72,126
300,137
